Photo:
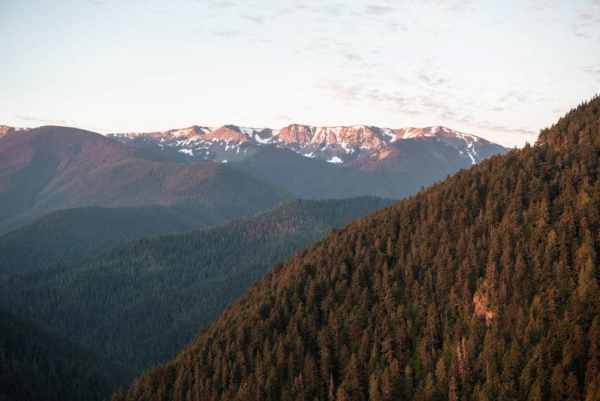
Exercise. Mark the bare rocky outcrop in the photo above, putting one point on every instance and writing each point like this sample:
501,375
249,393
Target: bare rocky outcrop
482,307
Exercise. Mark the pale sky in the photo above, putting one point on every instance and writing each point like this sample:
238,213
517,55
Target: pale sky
498,69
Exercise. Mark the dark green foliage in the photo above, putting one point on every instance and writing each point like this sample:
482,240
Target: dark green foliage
38,366
484,287
66,236
143,302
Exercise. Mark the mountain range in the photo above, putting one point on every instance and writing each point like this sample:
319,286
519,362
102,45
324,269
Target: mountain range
328,162
51,168
358,146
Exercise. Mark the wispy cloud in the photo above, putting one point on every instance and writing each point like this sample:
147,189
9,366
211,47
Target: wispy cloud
436,107
587,22
225,33
40,120
220,3
257,19
451,5
593,70
375,9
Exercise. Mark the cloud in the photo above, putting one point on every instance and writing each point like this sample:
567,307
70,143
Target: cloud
225,34
353,58
514,96
486,125
450,5
333,10
348,93
593,70
397,26
587,22
432,80
257,19
379,10
436,107
397,101
221,3
40,120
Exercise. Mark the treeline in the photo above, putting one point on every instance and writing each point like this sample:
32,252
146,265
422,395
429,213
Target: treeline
484,287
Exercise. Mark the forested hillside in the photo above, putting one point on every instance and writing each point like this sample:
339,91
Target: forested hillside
141,303
484,287
37,365
66,236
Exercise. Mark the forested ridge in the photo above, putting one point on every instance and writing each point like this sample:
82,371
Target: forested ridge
483,287
36,365
70,235
140,303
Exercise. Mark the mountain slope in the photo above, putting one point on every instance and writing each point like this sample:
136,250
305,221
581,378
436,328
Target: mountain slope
397,171
37,366
51,168
317,179
483,287
141,303
65,236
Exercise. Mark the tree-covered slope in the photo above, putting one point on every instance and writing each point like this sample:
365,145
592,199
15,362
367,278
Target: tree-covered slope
484,287
141,303
38,366
66,236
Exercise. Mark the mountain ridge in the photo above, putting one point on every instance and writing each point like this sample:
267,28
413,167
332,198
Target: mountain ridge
51,167
334,144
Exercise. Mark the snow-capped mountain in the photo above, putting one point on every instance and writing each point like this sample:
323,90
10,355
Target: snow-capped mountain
344,145
310,162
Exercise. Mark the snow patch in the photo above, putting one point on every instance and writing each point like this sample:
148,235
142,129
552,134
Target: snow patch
263,141
390,134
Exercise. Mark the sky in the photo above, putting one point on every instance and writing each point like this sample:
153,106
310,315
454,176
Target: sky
502,70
